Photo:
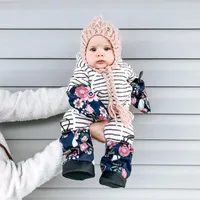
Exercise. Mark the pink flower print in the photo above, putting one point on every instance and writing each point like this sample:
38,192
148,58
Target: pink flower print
124,151
83,146
133,100
124,173
103,111
102,118
84,138
89,109
75,152
82,92
95,98
131,149
92,96
78,103
76,135
104,168
111,143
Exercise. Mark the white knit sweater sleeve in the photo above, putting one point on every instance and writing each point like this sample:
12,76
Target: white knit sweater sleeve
41,168
19,180
30,105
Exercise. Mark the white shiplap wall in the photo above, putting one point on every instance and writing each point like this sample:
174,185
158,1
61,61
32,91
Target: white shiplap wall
38,45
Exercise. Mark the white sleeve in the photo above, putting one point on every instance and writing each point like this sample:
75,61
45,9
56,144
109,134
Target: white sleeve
30,105
19,180
41,168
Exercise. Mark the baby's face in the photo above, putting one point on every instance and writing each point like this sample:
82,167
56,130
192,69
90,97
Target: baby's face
99,52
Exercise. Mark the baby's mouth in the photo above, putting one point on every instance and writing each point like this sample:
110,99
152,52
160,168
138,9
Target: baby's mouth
100,62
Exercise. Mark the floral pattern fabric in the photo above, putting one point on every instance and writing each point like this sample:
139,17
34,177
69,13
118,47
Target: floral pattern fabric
77,145
117,158
87,103
139,98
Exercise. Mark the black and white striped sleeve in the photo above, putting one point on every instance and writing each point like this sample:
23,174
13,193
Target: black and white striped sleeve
80,75
131,74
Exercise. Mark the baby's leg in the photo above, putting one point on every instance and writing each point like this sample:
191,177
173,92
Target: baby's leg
77,146
116,163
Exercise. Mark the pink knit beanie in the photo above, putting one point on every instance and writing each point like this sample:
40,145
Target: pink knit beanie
100,27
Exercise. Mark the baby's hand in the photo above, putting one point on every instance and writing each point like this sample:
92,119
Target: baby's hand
138,85
139,97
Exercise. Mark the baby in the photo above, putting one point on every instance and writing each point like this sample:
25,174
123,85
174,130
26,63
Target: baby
102,88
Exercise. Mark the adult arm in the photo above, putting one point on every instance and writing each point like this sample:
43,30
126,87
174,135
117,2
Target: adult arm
30,105
18,180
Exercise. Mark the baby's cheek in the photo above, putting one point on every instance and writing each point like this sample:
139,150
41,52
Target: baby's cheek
89,60
112,59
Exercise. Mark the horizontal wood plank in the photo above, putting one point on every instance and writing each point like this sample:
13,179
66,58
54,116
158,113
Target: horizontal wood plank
132,14
66,43
146,152
138,194
151,177
58,72
147,127
167,100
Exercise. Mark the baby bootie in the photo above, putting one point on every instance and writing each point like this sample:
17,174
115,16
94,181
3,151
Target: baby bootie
116,164
78,153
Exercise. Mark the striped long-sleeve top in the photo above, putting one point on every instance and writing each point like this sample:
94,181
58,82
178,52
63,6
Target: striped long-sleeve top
123,76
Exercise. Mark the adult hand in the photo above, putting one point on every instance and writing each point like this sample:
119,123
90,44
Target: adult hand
97,131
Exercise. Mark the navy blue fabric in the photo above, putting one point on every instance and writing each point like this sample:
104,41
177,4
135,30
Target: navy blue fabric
87,103
117,158
139,98
77,145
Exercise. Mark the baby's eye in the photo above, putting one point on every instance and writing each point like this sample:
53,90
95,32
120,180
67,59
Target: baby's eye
107,48
93,49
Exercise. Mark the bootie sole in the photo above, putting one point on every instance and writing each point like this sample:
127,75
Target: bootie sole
112,179
78,170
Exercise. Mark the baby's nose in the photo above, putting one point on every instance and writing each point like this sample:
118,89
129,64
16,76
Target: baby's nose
99,54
